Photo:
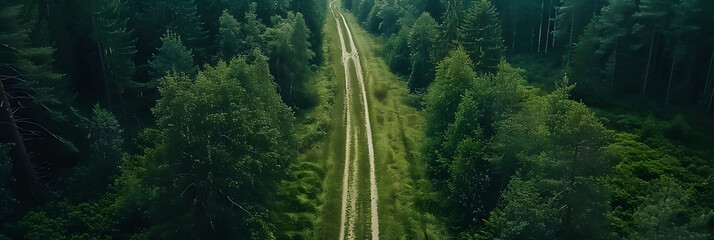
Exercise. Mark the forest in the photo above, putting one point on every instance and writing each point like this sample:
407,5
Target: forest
357,119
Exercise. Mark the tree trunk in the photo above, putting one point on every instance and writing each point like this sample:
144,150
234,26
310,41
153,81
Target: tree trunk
540,29
555,26
547,32
708,78
513,43
647,69
671,73
103,62
22,167
569,231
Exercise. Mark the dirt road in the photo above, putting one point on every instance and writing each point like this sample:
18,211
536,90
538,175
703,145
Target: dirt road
351,209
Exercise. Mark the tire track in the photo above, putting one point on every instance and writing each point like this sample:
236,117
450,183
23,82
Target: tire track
349,185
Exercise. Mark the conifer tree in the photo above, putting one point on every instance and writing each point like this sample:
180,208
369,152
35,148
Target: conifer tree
481,36
172,56
454,76
180,17
422,38
313,12
30,92
229,36
290,56
116,46
253,30
667,213
452,20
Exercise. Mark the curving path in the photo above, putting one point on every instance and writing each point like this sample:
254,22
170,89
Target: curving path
350,188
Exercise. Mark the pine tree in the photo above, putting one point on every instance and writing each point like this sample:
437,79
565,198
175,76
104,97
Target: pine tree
481,36
116,46
290,56
614,24
454,76
30,91
253,30
313,12
172,56
180,17
452,21
558,145
229,36
652,18
422,38
469,181
667,213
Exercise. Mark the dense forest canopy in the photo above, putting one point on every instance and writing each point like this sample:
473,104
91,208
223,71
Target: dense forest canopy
174,119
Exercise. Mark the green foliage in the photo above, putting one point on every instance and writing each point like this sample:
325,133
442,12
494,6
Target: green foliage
7,200
469,173
229,36
566,156
105,138
398,53
666,214
314,13
90,220
452,21
526,213
454,76
224,140
33,64
172,57
180,17
115,44
481,37
640,173
252,30
290,55
421,41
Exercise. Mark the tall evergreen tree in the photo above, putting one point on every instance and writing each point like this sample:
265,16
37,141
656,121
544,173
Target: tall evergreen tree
180,17
313,13
454,76
422,39
652,18
452,20
115,45
571,19
30,92
253,30
668,214
229,36
290,56
172,56
481,36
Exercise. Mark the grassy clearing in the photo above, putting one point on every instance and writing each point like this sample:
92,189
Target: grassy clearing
405,194
310,199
